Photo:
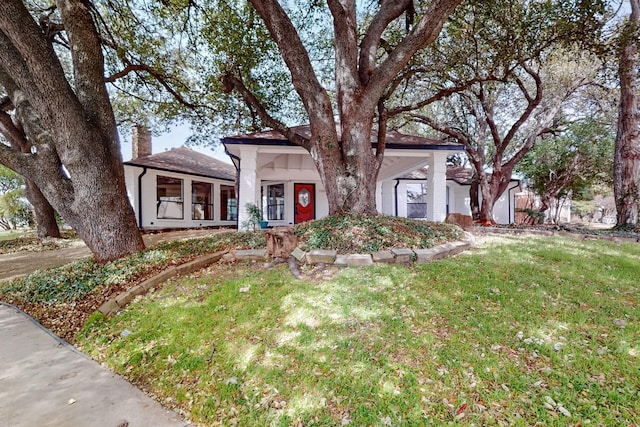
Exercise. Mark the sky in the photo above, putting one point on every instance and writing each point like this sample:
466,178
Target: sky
173,139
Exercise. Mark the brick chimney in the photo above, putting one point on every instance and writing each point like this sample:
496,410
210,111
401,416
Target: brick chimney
141,142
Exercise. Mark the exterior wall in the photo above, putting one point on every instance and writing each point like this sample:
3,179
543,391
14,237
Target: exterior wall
320,200
503,210
459,200
149,218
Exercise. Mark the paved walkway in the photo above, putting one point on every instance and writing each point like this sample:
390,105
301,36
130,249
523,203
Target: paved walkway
45,382
20,264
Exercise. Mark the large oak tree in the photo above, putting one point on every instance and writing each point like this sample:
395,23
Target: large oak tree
369,49
66,115
513,77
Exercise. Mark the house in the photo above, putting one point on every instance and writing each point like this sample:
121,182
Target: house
282,179
179,188
458,200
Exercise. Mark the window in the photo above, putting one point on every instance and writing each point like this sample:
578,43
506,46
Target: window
417,200
228,203
275,202
169,197
201,203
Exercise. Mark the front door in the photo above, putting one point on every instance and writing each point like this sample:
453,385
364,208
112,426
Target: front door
305,206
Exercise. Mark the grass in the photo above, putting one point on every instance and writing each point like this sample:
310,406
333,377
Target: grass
63,298
521,331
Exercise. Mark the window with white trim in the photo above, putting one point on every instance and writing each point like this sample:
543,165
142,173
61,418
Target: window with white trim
417,200
201,201
169,199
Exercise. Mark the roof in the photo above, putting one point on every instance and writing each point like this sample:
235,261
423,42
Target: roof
394,139
458,174
185,160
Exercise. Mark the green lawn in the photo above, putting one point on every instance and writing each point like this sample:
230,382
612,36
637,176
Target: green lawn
520,331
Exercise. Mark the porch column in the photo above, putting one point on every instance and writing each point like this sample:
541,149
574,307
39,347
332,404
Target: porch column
388,197
248,186
437,191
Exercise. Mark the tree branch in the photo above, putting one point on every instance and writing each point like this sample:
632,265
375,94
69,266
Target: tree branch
231,82
389,11
440,94
531,105
345,36
88,64
423,33
305,81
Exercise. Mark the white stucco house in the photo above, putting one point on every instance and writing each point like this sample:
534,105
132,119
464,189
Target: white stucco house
281,178
179,188
458,200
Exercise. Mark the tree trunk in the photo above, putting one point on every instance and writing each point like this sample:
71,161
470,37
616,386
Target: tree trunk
350,173
485,213
46,225
347,165
626,165
474,199
492,187
76,162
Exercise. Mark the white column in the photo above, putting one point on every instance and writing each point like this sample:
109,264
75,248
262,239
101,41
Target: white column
248,185
437,190
388,198
402,199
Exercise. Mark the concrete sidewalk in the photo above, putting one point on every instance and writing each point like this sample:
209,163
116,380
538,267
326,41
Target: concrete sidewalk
47,382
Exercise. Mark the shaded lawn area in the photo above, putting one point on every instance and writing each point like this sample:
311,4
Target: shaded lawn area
520,331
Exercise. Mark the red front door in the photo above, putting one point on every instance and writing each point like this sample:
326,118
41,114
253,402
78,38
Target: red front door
305,204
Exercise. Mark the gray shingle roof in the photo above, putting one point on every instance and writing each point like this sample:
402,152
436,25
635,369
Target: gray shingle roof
185,160
394,139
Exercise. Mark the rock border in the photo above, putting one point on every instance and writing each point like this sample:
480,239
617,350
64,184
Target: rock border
327,257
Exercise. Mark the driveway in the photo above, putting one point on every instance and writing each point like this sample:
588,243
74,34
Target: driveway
23,263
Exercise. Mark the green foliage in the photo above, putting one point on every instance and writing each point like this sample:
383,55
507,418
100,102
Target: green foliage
573,162
9,180
255,216
352,233
15,211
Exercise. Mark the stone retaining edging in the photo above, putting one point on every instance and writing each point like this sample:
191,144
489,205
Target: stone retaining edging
331,257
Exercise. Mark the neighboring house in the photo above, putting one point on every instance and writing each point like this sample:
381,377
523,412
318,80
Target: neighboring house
179,188
458,199
282,179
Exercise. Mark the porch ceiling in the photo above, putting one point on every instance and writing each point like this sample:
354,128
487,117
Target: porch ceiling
285,162
396,166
